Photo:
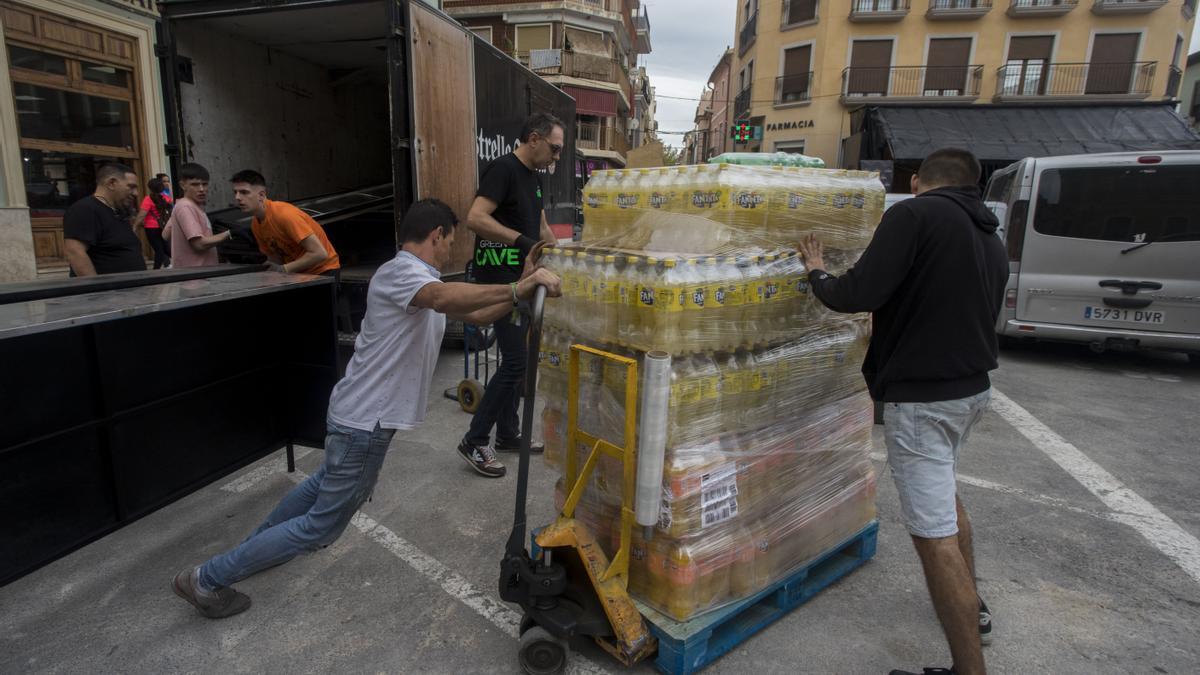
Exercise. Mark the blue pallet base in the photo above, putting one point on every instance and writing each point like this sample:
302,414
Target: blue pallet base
686,647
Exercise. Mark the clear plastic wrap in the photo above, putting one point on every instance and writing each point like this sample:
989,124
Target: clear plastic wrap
768,159
768,424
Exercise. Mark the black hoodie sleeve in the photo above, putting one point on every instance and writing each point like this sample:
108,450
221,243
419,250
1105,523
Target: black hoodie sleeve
879,271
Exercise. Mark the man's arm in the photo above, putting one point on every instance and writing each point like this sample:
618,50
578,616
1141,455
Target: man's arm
481,222
314,254
203,243
482,303
547,233
879,271
77,256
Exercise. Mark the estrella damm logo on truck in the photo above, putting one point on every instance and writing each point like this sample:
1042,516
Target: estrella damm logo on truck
794,200
626,201
647,296
659,199
748,200
705,200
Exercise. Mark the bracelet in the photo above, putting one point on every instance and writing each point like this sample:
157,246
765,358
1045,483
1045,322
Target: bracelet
513,287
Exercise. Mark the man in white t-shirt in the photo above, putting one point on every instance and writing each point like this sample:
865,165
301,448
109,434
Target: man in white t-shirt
385,388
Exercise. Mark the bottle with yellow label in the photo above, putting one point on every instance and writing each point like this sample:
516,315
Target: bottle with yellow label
627,307
648,277
596,198
694,295
607,310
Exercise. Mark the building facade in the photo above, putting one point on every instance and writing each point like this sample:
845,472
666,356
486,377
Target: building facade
1190,91
588,48
643,128
79,86
802,66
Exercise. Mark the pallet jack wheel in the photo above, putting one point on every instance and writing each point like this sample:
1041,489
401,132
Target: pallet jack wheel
541,653
470,393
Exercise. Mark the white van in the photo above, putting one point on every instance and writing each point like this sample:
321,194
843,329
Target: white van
1104,249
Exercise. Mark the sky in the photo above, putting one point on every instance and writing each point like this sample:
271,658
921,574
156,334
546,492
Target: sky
688,37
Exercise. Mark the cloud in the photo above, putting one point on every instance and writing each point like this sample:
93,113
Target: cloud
688,37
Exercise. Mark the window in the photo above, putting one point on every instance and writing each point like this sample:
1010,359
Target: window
799,11
533,37
1026,72
793,147
870,68
1111,68
1130,204
484,32
946,72
797,72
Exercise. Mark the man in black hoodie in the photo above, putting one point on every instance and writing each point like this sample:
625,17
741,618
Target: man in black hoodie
933,278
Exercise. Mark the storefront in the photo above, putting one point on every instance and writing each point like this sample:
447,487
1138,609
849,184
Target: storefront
79,87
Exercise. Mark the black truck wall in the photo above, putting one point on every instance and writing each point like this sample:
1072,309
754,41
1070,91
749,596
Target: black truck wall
505,94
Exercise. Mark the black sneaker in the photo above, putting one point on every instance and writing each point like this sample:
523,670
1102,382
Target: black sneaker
985,623
482,459
514,445
927,671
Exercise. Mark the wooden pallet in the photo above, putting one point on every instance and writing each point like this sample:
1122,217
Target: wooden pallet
686,647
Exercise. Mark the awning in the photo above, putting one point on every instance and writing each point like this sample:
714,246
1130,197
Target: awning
593,101
1009,133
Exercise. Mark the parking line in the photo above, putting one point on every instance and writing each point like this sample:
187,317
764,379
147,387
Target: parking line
1128,507
454,584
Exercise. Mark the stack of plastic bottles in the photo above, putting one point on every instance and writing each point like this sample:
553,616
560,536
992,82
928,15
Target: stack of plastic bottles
768,432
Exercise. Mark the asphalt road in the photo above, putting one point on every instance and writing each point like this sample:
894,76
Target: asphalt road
1082,482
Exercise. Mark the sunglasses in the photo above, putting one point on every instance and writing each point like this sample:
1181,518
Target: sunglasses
555,148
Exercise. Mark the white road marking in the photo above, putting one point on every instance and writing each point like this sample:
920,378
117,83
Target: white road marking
1018,492
1128,507
454,584
277,465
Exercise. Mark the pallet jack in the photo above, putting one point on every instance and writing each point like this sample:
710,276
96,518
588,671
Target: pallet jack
568,587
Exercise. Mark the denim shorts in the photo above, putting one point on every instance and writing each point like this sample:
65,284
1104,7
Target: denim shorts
923,442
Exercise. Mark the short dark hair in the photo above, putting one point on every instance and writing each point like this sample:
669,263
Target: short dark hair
249,176
111,170
424,217
541,124
192,171
950,166
160,176
154,185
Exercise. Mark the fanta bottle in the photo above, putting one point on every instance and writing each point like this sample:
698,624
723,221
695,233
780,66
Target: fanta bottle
629,300
596,204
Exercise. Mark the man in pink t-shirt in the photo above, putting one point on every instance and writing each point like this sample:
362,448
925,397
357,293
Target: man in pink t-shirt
193,243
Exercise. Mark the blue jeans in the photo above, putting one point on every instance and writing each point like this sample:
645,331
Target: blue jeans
314,514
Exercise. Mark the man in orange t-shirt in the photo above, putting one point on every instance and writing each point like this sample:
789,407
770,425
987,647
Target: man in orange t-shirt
291,240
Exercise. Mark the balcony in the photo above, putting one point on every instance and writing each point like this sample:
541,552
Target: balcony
1036,81
1126,6
641,24
905,84
601,138
1174,79
748,33
741,104
864,11
793,89
1020,9
957,10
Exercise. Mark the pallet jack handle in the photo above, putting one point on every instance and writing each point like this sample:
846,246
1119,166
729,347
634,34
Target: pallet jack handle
533,345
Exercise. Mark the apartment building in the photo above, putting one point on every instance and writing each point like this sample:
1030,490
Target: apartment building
588,48
643,128
802,67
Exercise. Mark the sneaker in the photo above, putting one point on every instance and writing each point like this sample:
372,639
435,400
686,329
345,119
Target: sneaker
514,445
985,623
482,459
927,671
219,604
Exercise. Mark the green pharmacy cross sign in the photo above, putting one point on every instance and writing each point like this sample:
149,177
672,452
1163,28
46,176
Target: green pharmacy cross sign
744,132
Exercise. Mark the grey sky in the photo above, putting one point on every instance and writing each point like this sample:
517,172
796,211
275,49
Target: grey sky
688,37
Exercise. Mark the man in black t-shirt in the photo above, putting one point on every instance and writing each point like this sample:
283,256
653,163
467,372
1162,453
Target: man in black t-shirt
97,235
508,221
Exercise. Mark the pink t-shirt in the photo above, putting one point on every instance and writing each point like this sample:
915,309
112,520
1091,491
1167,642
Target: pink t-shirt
152,216
189,221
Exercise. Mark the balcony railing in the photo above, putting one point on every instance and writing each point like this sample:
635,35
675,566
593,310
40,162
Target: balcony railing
1075,80
879,10
792,89
600,137
1174,79
912,82
952,10
748,33
741,104
1126,6
1034,8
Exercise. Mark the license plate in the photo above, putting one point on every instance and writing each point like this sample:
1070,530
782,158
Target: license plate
1143,316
